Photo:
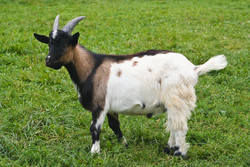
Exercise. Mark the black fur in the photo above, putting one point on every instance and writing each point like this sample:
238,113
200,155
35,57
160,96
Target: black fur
85,88
177,153
114,124
75,38
72,72
95,131
149,115
42,38
118,58
143,105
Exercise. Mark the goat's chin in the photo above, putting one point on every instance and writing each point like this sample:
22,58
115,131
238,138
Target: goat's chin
55,66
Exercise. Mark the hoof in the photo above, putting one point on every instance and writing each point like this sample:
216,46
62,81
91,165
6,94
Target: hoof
178,154
171,151
176,148
168,151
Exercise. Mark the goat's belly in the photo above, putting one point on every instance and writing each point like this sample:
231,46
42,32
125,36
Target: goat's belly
141,109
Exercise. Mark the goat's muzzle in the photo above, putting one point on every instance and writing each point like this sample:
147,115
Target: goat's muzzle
52,64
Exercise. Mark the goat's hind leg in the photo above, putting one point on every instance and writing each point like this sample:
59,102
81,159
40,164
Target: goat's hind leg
179,100
171,144
179,106
114,124
181,145
177,124
179,111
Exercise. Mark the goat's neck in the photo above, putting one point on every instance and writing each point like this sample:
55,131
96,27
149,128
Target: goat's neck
81,65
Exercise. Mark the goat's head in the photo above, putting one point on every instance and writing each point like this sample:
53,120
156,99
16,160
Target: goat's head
61,43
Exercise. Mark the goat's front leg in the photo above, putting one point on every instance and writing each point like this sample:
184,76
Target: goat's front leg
95,129
114,124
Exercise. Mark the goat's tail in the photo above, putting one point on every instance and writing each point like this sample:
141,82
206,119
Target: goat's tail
214,63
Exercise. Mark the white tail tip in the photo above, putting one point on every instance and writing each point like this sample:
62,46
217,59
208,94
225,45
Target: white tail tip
215,63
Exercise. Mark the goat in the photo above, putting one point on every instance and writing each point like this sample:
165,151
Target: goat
146,83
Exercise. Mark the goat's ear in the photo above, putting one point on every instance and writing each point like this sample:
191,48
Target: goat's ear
75,38
42,38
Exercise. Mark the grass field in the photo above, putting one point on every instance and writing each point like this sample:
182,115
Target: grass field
43,124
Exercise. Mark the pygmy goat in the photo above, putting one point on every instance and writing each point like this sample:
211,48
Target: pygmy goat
145,83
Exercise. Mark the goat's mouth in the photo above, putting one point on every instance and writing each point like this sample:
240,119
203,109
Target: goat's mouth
55,66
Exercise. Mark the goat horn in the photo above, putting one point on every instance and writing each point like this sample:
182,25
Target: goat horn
56,23
69,27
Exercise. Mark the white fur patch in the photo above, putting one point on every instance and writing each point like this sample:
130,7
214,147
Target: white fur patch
142,87
124,141
214,63
180,137
100,119
95,149
171,141
77,89
54,34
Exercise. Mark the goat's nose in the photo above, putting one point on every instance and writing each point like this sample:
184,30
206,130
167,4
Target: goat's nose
47,59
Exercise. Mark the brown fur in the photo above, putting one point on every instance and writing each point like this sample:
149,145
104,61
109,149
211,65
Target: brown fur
135,63
159,81
68,56
83,62
100,83
195,68
119,73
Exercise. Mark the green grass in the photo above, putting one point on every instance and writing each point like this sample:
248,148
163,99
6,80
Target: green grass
43,124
